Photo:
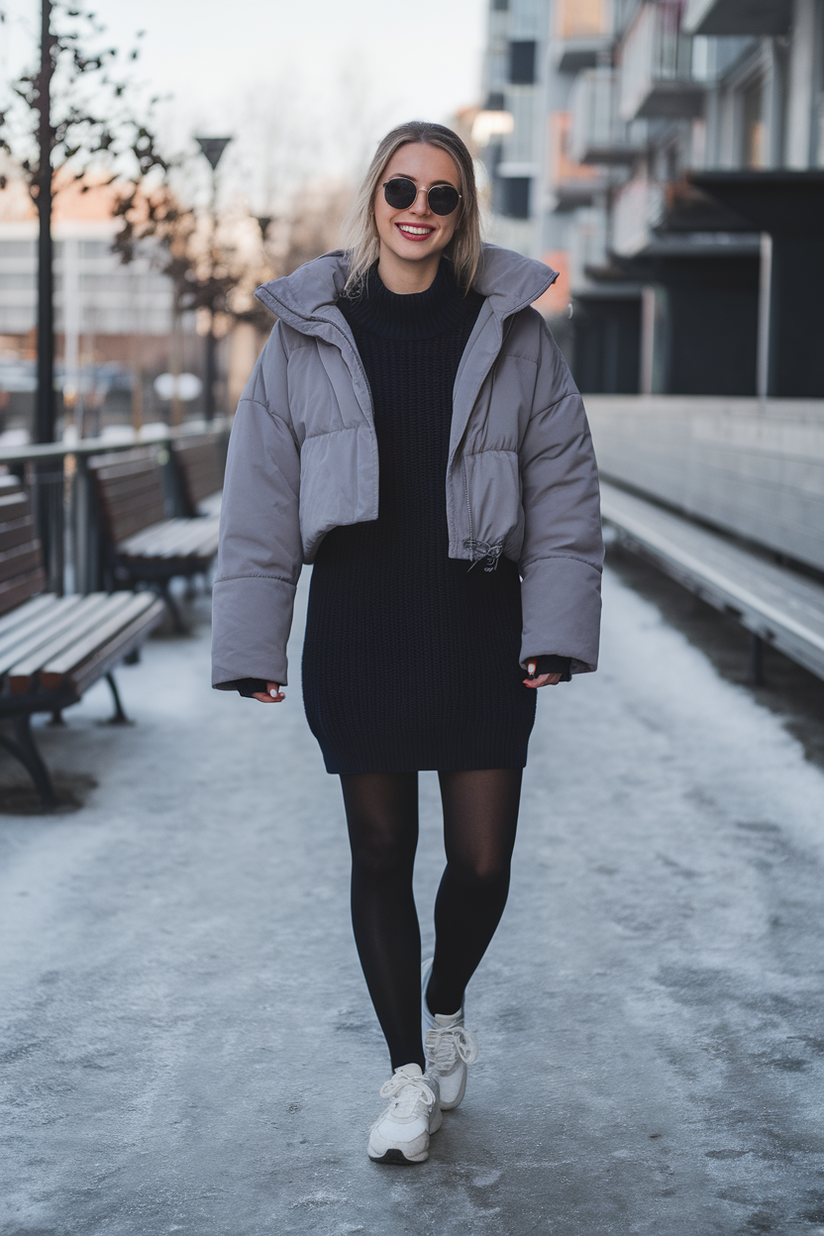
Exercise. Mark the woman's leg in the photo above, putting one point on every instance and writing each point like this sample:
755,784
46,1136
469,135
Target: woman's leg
480,810
382,815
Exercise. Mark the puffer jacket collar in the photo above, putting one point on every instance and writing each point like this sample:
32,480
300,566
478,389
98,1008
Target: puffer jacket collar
306,299
509,282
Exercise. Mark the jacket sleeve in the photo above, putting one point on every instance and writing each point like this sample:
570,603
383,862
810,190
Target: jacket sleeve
563,550
260,554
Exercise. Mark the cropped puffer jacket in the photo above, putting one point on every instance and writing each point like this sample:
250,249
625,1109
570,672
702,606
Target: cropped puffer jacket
521,479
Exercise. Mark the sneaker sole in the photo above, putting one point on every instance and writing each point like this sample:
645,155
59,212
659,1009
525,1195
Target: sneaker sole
396,1158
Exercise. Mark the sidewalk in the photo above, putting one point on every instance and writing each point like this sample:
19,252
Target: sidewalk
186,1038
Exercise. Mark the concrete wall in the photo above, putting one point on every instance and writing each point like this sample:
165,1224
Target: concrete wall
755,468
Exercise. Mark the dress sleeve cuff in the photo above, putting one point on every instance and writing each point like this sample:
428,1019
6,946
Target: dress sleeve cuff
551,664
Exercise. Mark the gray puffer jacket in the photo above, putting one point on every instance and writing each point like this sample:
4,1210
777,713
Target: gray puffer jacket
303,458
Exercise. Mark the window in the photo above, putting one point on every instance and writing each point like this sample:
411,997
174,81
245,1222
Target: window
500,6
752,127
522,63
16,249
512,197
95,248
495,101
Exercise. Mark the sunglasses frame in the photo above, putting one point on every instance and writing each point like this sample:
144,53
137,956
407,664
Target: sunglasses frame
419,189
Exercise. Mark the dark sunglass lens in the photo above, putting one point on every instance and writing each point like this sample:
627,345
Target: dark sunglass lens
443,199
399,193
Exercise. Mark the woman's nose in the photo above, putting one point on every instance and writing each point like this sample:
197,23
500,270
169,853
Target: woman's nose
421,203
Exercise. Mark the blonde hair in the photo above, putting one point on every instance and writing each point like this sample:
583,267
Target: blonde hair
360,230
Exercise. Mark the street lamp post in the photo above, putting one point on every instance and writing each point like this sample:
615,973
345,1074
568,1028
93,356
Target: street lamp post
44,414
212,148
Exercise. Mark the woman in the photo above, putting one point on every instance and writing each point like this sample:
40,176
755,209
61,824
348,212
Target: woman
412,429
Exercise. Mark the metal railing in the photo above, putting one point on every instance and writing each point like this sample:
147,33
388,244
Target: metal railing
656,65
58,479
599,134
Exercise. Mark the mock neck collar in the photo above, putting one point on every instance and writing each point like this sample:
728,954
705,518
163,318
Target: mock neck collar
413,315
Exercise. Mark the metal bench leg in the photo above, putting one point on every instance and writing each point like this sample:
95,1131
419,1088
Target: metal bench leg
24,748
119,717
756,661
174,609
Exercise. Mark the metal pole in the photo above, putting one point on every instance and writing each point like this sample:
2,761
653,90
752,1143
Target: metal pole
212,148
44,418
210,367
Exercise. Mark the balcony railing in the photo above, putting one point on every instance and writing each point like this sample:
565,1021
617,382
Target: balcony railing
656,77
638,208
599,135
738,17
587,246
571,182
582,31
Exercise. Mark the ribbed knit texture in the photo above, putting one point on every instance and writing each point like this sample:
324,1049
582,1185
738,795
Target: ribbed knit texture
410,659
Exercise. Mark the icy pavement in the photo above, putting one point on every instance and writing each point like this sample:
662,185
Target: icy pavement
187,1043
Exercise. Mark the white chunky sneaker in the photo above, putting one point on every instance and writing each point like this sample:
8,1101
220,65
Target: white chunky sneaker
401,1133
449,1047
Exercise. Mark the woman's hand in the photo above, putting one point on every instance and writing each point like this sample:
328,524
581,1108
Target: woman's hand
542,680
272,694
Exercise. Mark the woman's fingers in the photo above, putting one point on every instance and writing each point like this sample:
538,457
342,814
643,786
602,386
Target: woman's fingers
543,680
272,695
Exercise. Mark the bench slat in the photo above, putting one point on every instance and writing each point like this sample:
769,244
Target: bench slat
9,502
27,656
24,632
19,560
178,538
13,591
124,462
22,674
106,626
25,613
200,540
146,537
184,539
201,467
101,662
16,531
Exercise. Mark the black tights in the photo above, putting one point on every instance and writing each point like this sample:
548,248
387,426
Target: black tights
480,810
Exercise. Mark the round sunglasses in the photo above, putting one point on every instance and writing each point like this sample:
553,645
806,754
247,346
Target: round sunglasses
401,192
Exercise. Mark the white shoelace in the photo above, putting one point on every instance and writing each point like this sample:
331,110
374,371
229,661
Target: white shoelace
446,1044
407,1093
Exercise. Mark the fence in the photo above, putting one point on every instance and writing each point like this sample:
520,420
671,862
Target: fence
63,499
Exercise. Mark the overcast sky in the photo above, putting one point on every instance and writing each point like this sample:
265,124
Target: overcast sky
318,69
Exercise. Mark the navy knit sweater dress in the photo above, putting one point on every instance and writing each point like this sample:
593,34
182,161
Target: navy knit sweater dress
410,658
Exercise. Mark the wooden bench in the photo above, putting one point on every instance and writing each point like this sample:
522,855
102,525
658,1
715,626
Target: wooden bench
777,605
141,544
200,467
52,648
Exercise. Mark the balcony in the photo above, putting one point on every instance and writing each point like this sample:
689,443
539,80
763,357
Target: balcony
638,208
571,183
582,31
656,78
598,134
587,239
741,17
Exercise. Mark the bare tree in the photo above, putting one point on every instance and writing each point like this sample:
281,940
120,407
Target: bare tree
70,115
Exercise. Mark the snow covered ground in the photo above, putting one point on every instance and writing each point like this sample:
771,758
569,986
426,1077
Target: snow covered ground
186,1040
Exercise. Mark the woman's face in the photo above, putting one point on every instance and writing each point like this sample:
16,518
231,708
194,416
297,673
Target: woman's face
415,234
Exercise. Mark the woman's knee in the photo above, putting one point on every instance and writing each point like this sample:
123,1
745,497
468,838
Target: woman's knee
379,850
486,872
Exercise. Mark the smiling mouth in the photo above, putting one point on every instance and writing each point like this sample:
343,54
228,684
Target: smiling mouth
413,231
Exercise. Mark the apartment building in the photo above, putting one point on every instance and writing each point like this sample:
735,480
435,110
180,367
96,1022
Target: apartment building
668,157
